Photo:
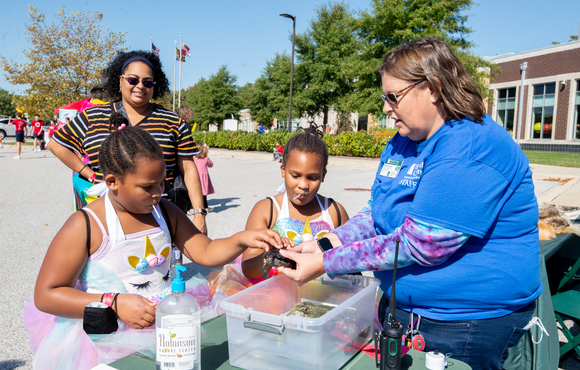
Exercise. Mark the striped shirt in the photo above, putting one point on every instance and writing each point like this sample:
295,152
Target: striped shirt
86,132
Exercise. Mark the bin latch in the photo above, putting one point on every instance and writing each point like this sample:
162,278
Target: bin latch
265,327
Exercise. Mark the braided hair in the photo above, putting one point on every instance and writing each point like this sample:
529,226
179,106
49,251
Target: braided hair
124,146
309,141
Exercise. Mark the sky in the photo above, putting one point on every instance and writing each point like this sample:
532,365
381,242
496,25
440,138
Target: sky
245,34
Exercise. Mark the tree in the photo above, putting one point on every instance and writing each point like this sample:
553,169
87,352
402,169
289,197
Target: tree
246,93
6,106
65,59
393,22
271,92
329,56
166,101
214,99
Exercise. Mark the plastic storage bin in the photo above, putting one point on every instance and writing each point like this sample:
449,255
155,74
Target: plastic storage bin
262,336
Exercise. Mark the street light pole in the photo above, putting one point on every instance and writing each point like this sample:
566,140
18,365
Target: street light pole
291,66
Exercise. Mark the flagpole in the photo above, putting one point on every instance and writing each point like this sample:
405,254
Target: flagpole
180,62
150,43
174,78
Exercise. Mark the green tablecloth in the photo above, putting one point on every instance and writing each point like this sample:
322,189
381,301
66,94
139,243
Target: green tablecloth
545,355
214,354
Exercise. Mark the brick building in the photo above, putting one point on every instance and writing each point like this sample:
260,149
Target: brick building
551,97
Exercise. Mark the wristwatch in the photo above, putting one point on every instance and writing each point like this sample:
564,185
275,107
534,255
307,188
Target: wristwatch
324,244
200,210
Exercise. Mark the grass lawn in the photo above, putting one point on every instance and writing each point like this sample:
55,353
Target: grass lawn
554,158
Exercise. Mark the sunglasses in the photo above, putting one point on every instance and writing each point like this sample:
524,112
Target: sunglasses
134,81
392,97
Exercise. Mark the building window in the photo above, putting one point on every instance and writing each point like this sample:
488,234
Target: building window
577,112
506,105
543,110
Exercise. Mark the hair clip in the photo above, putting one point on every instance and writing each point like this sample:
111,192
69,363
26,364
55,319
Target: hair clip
122,126
312,134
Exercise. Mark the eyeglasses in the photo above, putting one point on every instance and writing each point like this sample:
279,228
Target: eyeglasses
392,97
135,81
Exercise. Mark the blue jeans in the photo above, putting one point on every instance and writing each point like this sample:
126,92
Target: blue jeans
482,344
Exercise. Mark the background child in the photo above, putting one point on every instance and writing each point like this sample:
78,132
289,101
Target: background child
202,162
303,169
36,128
51,130
116,251
278,151
20,130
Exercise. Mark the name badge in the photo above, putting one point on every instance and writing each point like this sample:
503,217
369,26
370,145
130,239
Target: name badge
391,168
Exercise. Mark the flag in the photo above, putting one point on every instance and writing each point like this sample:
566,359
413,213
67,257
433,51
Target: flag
155,50
177,54
185,51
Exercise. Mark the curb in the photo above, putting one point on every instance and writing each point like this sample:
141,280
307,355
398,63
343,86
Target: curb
551,194
366,163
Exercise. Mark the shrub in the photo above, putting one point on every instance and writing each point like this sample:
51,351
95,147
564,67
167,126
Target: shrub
348,143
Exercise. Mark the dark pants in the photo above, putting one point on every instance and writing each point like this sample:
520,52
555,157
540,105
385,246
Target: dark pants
19,136
482,344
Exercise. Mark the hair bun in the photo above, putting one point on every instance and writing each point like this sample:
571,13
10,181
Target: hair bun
116,120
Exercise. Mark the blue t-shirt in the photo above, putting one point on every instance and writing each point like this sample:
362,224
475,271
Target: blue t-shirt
472,178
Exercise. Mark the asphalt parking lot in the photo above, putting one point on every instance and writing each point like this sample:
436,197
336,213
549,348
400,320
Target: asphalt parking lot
36,199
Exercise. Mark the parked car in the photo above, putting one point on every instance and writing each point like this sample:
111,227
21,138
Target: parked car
6,130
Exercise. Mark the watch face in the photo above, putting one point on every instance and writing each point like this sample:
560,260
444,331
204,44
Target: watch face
324,244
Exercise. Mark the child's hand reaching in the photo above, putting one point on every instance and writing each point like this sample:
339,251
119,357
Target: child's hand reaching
264,239
135,310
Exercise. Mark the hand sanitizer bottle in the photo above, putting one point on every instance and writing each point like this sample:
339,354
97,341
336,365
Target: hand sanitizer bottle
178,329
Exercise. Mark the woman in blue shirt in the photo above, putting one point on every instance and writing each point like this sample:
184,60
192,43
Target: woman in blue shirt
457,191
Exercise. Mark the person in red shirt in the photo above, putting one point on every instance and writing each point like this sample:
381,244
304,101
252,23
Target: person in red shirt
37,132
20,126
51,130
278,151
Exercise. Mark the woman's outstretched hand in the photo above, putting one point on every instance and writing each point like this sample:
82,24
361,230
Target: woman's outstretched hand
309,265
310,246
265,239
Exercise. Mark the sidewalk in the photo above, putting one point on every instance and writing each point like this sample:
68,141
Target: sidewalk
554,184
566,188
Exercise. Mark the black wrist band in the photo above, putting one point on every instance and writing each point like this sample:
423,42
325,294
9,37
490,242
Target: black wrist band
324,244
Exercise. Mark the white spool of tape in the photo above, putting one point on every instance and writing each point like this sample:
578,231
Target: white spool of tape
435,361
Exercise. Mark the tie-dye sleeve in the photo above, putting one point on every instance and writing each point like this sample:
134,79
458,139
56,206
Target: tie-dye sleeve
360,227
420,242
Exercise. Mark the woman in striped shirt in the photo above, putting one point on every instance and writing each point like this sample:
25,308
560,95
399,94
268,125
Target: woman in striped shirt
129,83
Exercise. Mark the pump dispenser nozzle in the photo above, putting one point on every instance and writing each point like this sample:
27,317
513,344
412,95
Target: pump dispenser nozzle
178,284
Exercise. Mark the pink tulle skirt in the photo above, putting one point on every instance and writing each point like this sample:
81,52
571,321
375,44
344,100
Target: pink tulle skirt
61,343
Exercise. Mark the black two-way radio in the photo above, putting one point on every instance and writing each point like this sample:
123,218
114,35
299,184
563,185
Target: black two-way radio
389,341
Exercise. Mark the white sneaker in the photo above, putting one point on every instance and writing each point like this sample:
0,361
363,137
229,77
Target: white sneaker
17,157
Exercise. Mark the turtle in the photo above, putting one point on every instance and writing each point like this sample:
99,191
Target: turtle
274,258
